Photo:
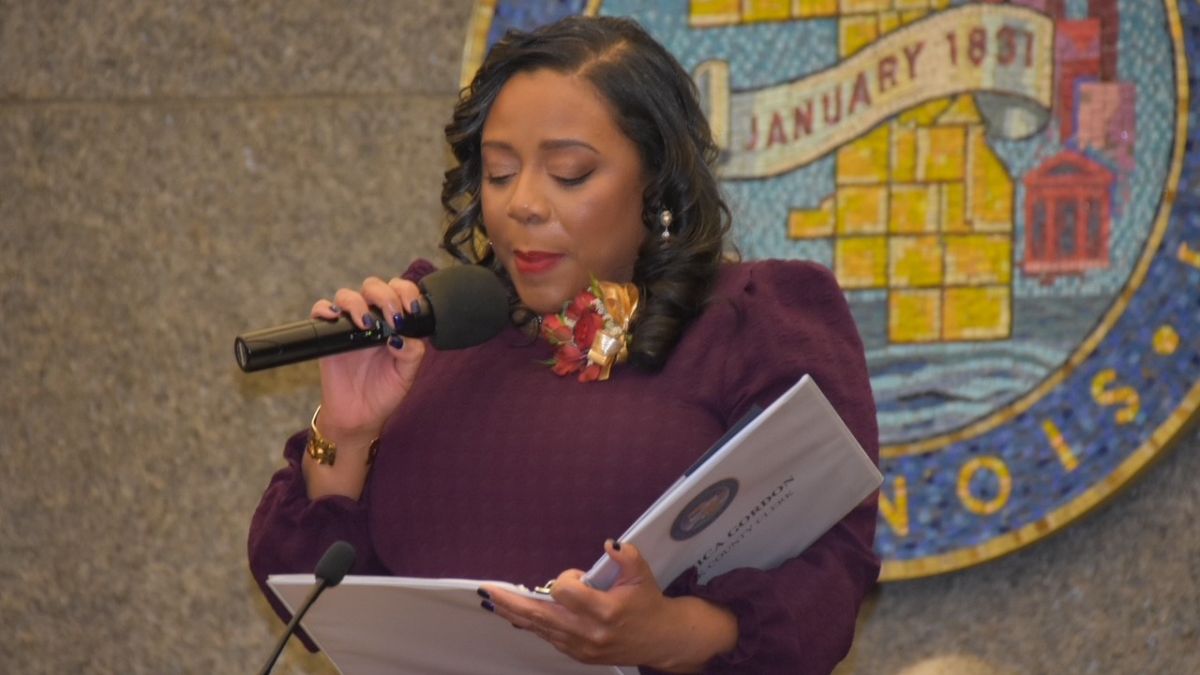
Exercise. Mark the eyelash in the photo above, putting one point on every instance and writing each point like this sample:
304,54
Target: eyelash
572,182
567,182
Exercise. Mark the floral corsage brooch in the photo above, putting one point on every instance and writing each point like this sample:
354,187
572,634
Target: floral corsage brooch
591,333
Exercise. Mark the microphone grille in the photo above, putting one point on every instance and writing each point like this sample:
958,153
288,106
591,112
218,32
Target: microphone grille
336,562
470,306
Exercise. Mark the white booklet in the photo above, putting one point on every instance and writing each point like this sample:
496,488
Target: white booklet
412,626
760,496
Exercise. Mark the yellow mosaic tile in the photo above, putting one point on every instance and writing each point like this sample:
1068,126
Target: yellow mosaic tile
982,313
810,9
910,16
962,110
888,22
953,211
861,262
812,223
861,6
766,10
865,160
914,209
996,467
990,189
1188,256
856,32
903,152
714,12
939,4
924,114
912,4
1166,340
862,209
1066,456
978,259
894,509
914,262
915,315
941,153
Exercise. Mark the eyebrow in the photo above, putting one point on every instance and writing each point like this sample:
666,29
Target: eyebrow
549,144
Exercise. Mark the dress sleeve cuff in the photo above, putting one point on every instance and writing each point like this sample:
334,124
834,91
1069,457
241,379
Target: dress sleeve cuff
295,490
748,593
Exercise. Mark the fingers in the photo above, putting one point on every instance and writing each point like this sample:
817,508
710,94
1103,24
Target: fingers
325,309
392,299
575,634
634,568
406,355
570,591
590,625
544,619
409,294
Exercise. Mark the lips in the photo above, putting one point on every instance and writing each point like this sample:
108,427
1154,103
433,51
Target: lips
536,262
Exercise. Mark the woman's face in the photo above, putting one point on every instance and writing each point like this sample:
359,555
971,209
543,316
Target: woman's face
561,190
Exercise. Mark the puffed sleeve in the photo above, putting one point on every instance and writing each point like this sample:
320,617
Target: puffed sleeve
290,532
791,318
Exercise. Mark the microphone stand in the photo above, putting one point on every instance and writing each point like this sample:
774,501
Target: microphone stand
331,568
291,627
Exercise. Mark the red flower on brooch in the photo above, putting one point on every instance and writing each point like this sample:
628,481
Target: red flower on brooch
590,334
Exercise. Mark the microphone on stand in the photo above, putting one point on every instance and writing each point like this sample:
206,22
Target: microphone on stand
461,306
332,566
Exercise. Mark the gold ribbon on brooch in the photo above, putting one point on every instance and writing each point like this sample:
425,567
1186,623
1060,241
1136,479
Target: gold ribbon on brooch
611,344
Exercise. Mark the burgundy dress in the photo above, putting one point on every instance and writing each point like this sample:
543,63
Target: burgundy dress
496,468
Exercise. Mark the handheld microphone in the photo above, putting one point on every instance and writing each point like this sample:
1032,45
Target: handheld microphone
461,306
332,566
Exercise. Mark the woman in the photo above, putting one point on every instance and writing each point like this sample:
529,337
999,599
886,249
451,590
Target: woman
583,155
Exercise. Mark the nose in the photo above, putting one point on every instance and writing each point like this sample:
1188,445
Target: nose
526,203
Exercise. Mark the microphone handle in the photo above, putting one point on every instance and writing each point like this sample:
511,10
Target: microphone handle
313,338
291,627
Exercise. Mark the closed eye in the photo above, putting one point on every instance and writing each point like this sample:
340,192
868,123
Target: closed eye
498,179
571,182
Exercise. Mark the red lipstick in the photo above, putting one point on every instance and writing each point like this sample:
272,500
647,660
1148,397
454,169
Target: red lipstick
535,262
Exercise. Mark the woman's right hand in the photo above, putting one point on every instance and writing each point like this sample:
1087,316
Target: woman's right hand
360,389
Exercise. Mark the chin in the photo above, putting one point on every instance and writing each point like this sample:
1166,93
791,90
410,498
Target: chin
546,293
542,299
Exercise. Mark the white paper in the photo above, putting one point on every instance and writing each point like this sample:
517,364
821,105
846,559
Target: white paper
409,626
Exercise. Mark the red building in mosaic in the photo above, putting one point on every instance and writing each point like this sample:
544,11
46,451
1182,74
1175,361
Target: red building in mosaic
1067,216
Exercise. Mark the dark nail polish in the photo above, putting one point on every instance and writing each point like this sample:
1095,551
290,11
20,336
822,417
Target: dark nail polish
398,320
396,342
483,594
335,309
415,308
616,545
369,321
487,604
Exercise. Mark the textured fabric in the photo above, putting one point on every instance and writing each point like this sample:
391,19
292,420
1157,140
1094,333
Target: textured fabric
495,468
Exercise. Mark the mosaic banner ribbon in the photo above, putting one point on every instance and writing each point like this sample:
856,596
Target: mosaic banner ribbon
1002,54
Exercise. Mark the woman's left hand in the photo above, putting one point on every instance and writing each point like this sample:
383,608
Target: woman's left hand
632,623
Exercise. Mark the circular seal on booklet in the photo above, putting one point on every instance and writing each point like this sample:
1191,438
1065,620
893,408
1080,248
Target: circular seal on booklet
704,508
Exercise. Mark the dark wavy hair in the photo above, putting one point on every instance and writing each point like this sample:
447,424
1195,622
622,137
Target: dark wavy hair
656,106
